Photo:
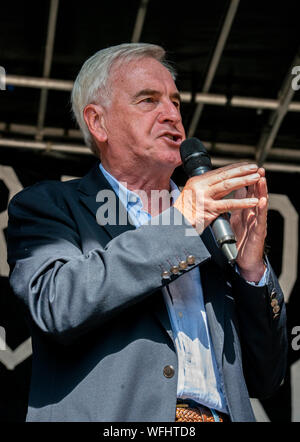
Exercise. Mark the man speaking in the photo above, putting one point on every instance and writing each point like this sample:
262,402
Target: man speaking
140,321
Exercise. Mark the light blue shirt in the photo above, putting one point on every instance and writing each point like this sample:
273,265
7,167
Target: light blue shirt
198,375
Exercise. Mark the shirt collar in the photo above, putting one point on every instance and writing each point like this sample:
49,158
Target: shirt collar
128,197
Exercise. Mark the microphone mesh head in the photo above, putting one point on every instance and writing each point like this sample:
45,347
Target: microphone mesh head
193,155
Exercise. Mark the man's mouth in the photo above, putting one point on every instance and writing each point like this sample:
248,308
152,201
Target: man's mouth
172,137
176,138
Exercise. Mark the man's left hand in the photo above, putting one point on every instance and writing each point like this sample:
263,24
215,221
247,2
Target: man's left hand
250,228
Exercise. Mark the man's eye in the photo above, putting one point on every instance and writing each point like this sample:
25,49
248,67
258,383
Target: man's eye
148,100
176,104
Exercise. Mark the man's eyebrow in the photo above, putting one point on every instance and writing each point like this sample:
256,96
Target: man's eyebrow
176,95
144,92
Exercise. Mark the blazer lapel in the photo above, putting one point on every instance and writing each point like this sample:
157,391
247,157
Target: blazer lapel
94,191
89,187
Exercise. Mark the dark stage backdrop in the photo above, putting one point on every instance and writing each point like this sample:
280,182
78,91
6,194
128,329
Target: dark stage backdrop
19,169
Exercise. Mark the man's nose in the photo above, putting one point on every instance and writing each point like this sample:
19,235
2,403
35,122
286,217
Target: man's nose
169,112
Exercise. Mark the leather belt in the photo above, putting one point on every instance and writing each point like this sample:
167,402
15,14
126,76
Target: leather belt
187,412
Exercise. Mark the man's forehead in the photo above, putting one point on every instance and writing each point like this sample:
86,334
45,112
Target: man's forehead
142,74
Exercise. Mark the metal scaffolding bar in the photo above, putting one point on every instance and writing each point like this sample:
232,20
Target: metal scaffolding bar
269,166
270,131
44,145
212,99
226,148
47,66
39,83
246,150
214,62
139,23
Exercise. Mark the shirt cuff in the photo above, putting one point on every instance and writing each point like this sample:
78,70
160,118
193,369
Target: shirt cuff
263,279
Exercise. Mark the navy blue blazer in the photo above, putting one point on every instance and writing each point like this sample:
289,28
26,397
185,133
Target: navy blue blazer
101,334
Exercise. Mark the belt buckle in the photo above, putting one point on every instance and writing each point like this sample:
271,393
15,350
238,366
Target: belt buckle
182,405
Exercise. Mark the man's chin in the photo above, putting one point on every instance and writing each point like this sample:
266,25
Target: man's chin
169,164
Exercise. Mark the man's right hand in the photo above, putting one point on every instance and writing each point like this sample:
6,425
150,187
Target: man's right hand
200,201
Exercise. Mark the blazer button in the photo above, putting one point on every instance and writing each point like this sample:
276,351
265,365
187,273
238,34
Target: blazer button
273,294
169,371
165,275
190,260
274,302
183,265
174,270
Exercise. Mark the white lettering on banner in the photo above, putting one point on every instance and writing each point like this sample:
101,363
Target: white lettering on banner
296,80
11,358
2,338
2,79
288,276
7,174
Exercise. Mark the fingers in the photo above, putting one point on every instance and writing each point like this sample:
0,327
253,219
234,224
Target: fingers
260,191
228,205
229,172
262,188
262,208
249,203
220,189
260,212
220,182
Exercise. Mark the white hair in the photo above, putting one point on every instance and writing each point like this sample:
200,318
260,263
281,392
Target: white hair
92,86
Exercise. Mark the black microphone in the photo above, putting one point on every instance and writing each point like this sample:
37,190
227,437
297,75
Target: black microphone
196,161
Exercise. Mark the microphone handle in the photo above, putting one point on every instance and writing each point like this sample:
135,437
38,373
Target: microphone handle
225,237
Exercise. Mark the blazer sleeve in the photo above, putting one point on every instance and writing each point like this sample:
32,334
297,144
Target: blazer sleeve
67,292
262,326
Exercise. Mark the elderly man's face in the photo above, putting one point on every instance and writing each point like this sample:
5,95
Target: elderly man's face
143,121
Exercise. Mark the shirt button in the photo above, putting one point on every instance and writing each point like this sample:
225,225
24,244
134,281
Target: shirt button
180,314
133,198
169,371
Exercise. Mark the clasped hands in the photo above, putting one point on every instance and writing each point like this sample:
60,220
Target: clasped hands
201,202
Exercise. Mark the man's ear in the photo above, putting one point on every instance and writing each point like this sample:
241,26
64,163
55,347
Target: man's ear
94,117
